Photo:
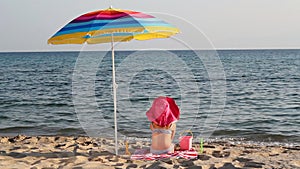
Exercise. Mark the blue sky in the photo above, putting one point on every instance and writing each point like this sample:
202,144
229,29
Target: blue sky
226,24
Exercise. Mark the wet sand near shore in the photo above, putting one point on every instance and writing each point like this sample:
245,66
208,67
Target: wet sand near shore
43,152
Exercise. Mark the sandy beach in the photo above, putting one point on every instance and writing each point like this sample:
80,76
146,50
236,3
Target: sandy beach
84,152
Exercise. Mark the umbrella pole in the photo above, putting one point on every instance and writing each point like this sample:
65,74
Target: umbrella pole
115,92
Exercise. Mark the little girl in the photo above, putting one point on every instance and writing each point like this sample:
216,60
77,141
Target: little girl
163,114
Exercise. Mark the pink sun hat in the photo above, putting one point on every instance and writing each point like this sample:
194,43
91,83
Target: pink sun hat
163,111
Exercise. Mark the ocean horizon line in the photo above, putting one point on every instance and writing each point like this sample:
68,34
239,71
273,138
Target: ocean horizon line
128,50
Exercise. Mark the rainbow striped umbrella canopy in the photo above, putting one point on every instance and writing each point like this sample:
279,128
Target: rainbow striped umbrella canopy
112,25
123,25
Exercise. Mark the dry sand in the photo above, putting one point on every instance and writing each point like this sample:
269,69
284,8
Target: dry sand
84,152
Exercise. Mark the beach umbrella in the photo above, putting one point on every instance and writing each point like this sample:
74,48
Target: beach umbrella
109,26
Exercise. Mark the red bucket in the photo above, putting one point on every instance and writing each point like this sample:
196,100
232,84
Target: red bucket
186,141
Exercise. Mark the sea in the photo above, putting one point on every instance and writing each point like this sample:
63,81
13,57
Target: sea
251,95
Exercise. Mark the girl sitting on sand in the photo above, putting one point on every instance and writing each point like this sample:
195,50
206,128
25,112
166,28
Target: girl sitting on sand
163,114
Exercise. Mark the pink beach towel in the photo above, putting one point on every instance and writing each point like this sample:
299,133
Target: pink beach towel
144,154
163,111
